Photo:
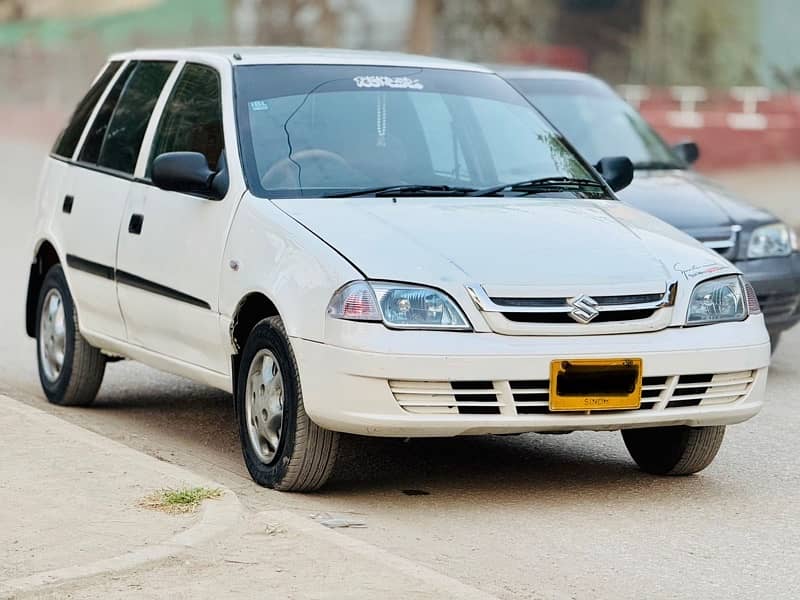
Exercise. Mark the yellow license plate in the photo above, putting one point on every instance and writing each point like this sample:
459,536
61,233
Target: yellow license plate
595,384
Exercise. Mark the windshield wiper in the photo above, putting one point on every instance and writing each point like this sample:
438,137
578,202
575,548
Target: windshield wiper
400,190
540,185
656,165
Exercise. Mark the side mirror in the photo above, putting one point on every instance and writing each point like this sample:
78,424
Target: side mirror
616,170
688,152
186,172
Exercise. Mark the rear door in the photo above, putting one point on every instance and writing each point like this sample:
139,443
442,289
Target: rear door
96,191
169,258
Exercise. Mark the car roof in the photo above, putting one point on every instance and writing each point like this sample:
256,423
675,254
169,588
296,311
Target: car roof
575,81
270,55
527,72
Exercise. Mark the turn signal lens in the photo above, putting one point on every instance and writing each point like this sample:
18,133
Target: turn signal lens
753,306
355,302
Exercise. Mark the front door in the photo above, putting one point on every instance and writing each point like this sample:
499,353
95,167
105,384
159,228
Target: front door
168,264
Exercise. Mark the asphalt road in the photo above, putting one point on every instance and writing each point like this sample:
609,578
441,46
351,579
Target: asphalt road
520,517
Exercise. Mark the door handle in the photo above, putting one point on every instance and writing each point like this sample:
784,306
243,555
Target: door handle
67,206
135,226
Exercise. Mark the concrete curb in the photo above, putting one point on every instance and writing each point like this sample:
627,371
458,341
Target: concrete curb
449,586
217,515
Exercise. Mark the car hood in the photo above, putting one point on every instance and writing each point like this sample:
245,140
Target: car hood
690,202
513,246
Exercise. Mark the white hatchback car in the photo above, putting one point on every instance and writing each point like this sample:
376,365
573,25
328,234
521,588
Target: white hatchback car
378,244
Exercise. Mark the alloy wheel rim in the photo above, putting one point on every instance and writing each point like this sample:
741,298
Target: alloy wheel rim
264,405
52,335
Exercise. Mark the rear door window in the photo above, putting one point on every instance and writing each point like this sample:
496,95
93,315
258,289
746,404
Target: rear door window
192,119
117,132
97,132
68,140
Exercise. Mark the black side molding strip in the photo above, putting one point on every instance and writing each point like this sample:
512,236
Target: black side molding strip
87,266
156,288
93,268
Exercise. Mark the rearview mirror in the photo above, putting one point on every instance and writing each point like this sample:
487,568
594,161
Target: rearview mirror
616,170
688,152
186,172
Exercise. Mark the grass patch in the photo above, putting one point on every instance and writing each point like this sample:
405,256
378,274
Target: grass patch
181,501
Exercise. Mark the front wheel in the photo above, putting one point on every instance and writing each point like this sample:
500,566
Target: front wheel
774,338
283,449
674,450
70,369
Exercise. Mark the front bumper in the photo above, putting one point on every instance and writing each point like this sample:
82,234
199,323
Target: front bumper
777,284
352,386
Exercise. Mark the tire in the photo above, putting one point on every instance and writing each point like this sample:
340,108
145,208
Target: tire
78,380
304,456
673,450
774,338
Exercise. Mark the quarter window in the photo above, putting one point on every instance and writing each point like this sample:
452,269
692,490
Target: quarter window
192,120
68,140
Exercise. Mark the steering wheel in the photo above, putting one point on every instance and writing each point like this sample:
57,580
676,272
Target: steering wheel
323,163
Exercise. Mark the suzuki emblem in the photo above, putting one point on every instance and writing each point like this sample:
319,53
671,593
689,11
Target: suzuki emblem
584,308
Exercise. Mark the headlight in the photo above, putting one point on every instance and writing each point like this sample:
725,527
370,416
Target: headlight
398,305
771,240
717,301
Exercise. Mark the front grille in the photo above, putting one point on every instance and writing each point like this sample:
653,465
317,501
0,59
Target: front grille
562,302
779,305
532,397
604,317
581,314
723,240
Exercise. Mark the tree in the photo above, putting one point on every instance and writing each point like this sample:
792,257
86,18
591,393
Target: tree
291,22
12,10
422,26
688,42
484,30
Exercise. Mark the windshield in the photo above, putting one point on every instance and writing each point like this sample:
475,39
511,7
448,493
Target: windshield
325,130
598,122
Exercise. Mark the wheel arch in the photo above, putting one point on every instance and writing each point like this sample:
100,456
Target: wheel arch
251,309
45,257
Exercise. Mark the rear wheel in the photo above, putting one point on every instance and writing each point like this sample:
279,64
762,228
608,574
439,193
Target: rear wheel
673,450
282,447
70,370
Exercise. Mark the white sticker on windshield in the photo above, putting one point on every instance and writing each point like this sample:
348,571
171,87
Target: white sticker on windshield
383,81
257,105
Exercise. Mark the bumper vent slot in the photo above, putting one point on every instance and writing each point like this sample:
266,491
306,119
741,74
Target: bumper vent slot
532,397
475,397
722,388
444,397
